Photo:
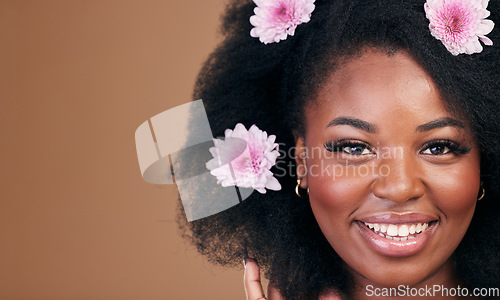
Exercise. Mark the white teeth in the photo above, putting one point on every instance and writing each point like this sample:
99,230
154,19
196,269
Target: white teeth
392,230
395,232
403,230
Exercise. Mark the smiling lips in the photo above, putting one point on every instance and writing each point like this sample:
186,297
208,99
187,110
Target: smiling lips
397,235
398,232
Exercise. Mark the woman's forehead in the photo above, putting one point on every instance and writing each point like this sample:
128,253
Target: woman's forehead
375,70
377,86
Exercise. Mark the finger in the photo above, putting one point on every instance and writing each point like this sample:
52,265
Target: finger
253,286
273,293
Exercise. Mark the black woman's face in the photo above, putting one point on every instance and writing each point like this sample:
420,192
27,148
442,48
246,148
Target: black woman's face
393,177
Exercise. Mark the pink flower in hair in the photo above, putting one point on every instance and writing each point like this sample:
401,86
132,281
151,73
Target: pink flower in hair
274,20
460,24
250,165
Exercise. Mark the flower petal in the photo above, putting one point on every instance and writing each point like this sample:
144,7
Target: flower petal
459,24
260,190
251,154
274,20
485,27
486,40
212,164
273,184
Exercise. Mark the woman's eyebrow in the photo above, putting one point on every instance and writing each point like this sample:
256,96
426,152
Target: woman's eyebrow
354,122
439,123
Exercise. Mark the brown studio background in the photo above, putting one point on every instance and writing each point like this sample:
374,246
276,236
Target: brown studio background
76,79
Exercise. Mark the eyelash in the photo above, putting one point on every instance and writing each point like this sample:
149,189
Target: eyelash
453,147
338,146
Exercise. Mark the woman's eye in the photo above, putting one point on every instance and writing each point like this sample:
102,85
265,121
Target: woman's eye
356,150
349,147
443,147
437,150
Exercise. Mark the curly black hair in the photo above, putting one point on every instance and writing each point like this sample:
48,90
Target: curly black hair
245,81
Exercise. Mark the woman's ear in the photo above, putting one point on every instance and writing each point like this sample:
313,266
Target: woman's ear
300,159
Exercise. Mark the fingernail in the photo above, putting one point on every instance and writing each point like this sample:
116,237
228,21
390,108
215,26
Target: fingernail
245,262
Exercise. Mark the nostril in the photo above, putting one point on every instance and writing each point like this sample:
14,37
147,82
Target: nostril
397,190
402,181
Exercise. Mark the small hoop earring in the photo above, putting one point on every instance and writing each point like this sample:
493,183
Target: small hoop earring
297,187
483,192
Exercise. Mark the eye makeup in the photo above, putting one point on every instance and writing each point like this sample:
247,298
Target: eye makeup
443,147
349,146
432,147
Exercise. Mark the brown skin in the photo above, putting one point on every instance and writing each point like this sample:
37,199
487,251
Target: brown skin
396,172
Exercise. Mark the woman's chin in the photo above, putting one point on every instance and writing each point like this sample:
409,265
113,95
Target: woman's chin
406,276
388,279
392,282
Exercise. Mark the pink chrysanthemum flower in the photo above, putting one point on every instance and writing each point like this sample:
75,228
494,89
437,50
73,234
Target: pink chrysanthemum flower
274,20
251,168
460,24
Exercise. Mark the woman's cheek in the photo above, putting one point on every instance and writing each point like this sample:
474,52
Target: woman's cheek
458,199
457,202
455,189
333,198
335,188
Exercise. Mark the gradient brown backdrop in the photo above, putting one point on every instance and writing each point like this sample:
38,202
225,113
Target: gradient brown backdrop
76,79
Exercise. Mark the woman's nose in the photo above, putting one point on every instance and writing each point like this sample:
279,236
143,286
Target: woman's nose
401,180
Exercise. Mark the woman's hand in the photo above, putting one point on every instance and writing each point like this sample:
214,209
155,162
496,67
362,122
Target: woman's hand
254,290
253,285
